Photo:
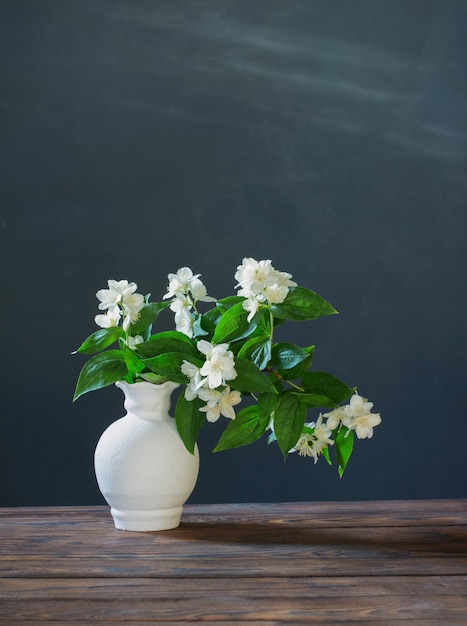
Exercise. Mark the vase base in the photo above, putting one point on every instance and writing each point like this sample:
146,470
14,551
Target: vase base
162,519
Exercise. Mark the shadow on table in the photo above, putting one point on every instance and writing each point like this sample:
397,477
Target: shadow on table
440,539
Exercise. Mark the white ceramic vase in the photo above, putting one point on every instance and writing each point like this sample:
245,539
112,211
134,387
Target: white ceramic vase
143,469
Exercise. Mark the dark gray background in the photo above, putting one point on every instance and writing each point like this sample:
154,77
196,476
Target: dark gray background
138,136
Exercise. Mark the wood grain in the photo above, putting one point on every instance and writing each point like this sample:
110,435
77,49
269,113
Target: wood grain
321,563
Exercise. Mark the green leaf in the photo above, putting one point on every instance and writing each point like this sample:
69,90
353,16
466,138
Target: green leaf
234,325
189,420
258,350
289,419
301,368
264,324
208,320
250,378
134,364
169,365
325,453
100,339
326,385
226,303
101,370
150,377
314,400
302,304
168,341
285,356
247,427
343,445
147,316
198,330
267,404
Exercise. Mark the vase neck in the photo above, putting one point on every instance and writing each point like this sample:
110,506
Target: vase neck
146,400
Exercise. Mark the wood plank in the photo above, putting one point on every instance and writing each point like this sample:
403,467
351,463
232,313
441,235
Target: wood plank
222,607
320,514
240,549
179,568
325,514
265,588
456,621
66,541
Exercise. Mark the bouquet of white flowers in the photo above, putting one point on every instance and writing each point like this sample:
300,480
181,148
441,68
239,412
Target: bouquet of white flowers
228,353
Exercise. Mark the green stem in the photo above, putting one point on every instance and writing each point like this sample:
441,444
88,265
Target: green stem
289,382
294,385
271,319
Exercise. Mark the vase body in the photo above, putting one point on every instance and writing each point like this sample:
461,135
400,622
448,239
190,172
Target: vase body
143,469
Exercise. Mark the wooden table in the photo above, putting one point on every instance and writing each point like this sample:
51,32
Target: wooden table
315,563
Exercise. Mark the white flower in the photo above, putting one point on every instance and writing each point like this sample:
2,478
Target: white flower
180,302
219,365
283,279
335,417
308,445
322,431
132,305
251,305
199,292
219,403
312,444
184,322
184,282
179,282
357,406
254,275
189,369
117,292
363,424
275,294
182,307
132,342
196,380
109,319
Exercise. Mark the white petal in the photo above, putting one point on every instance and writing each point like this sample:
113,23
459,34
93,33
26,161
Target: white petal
205,347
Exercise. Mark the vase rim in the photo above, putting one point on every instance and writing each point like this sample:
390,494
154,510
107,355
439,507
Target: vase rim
123,384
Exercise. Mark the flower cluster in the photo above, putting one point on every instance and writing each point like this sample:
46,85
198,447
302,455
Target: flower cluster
186,289
355,416
226,354
209,381
119,300
314,439
261,283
